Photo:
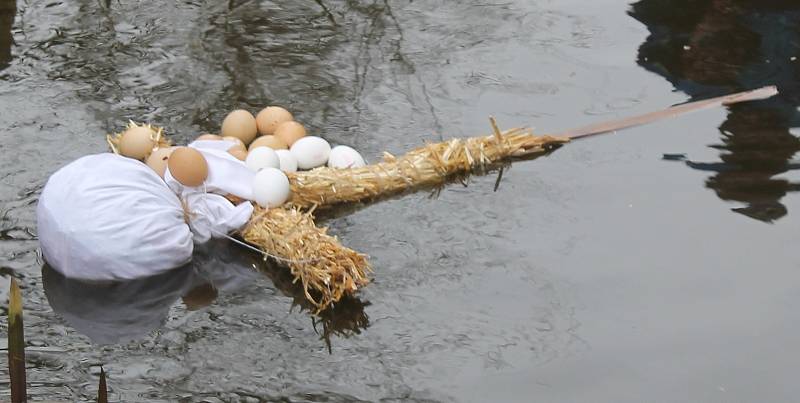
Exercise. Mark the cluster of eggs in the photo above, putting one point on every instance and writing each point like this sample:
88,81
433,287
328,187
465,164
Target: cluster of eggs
277,145
270,144
276,140
187,165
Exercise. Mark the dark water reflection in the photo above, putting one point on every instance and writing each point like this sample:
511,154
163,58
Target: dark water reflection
712,47
121,312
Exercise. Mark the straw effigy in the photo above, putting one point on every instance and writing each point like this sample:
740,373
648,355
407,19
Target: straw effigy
327,270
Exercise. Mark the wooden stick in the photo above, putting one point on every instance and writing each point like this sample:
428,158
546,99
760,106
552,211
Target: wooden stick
624,123
16,345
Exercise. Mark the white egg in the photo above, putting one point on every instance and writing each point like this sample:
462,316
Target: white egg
288,161
271,187
262,157
345,157
311,152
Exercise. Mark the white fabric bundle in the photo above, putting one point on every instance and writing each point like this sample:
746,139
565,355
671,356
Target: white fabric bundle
108,217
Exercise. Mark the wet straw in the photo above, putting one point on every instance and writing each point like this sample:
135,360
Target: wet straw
624,123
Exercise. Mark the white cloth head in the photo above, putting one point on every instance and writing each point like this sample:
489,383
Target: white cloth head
107,217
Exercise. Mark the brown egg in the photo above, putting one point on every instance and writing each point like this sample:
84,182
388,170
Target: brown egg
136,143
240,124
270,117
158,159
290,132
209,137
188,166
272,142
240,154
238,147
238,142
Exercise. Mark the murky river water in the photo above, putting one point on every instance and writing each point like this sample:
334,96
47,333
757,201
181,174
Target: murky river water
604,272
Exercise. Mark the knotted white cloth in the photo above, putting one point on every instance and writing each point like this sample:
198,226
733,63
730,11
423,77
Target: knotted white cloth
107,217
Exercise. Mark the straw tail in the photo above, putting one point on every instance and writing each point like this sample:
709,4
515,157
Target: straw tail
102,390
16,345
430,165
326,269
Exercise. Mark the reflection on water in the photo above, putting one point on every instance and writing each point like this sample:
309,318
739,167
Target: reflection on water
711,47
346,318
118,312
8,8
115,312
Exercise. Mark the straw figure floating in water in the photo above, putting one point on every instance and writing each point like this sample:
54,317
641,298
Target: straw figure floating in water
328,270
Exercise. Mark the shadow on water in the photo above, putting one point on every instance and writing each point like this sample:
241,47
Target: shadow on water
711,47
119,312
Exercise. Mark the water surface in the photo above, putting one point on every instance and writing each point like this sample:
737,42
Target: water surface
601,273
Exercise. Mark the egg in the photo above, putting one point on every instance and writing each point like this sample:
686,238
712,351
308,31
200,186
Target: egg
136,143
290,132
262,157
239,144
270,117
158,159
287,160
240,124
311,152
240,154
345,157
188,166
271,187
209,137
270,141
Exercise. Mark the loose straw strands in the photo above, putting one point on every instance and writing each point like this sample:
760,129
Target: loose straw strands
327,270
429,165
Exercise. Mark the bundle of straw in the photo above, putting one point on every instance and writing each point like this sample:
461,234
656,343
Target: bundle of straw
429,165
323,266
319,261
